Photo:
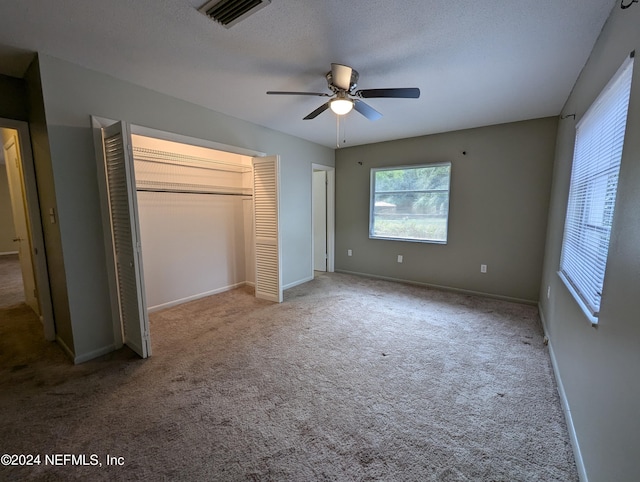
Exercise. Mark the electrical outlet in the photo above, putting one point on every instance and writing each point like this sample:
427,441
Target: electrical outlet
399,258
349,252
483,268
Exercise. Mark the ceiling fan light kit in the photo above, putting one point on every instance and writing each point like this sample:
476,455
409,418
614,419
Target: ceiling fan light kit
342,81
341,105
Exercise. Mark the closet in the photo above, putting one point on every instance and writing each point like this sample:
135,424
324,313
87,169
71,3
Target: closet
182,222
195,211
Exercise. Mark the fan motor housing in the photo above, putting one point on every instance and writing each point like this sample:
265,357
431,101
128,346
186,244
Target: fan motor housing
352,83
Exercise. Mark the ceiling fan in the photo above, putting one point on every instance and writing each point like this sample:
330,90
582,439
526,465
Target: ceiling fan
342,81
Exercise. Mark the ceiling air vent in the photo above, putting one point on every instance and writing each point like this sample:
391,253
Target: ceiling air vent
230,12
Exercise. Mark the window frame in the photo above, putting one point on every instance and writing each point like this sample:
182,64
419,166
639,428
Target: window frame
372,194
592,198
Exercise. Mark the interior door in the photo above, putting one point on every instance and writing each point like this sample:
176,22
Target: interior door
319,220
21,222
125,234
266,206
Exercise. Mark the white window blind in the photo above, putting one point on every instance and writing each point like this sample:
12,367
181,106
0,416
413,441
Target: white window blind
592,193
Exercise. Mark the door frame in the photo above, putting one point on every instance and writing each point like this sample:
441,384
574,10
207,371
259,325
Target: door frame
331,218
33,212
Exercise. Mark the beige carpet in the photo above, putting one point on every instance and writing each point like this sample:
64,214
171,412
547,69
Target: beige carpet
350,379
11,289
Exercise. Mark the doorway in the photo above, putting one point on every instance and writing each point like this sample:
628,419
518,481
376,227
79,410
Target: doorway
11,286
323,224
22,243
20,222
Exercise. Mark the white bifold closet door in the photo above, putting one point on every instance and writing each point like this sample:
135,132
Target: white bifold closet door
266,186
125,235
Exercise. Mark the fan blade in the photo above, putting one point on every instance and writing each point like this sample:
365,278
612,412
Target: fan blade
366,110
341,75
277,92
317,112
403,93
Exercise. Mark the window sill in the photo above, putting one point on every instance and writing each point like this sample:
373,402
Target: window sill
409,240
587,312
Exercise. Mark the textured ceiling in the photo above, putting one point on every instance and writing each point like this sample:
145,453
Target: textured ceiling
476,62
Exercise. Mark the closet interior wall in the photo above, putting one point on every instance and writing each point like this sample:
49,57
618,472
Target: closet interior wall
196,220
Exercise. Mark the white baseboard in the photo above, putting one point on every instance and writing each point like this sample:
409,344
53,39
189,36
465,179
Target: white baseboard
7,253
298,282
577,454
65,348
77,359
443,288
93,354
169,304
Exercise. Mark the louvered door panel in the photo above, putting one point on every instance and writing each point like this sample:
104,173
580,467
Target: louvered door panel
267,237
125,237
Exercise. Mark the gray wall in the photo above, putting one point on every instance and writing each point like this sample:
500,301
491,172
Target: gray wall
71,94
498,209
600,368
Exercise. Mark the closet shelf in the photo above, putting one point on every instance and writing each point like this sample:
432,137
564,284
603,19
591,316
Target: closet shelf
183,160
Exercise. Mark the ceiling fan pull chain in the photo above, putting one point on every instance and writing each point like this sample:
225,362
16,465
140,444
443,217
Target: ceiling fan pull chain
338,131
344,131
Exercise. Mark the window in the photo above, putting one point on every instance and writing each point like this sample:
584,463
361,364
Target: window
410,203
592,192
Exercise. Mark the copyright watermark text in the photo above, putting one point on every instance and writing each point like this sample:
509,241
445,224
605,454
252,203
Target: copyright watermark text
62,460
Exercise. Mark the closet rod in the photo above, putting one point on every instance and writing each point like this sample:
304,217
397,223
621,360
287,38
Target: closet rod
178,191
